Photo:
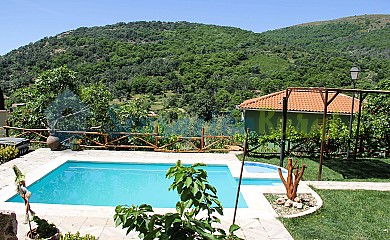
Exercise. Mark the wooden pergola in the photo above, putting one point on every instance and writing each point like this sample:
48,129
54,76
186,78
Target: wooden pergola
325,92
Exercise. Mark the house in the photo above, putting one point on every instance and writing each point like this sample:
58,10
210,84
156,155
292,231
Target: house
305,109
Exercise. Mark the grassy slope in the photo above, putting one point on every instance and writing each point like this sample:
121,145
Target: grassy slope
345,215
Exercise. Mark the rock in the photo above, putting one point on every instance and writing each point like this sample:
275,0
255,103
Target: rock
298,205
281,201
297,199
288,203
8,225
285,197
312,203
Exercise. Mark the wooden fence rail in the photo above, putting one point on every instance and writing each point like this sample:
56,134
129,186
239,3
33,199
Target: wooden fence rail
128,140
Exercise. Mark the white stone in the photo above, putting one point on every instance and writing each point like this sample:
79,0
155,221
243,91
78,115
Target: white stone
288,203
297,199
280,201
298,205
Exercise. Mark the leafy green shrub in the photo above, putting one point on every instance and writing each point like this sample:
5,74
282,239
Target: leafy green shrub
44,228
8,153
337,137
76,236
196,195
375,126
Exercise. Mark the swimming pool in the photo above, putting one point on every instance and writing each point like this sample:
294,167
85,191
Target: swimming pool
256,167
110,184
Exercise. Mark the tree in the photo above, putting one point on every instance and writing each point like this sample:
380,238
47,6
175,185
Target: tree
129,115
203,105
291,184
97,97
39,96
376,119
122,89
222,100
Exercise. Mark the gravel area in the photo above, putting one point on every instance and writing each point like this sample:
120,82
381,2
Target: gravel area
307,199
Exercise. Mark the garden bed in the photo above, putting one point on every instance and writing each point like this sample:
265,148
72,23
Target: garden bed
309,202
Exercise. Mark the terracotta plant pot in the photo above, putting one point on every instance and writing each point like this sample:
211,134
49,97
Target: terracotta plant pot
33,235
53,142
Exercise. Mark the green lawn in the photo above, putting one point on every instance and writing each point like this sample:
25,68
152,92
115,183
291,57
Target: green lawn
371,170
345,214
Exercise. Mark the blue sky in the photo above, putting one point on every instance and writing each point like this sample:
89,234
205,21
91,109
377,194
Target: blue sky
25,21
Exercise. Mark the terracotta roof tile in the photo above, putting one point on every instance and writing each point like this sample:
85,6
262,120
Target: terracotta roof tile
302,101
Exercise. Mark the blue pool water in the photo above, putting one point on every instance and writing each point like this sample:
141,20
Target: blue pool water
255,167
111,184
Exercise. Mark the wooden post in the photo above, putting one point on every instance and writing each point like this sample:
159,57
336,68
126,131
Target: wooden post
350,126
358,125
323,135
242,169
202,140
155,137
284,126
2,104
6,129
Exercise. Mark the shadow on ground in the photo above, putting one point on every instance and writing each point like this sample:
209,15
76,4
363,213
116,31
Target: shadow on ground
360,168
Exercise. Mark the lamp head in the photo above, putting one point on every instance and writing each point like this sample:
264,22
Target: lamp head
354,73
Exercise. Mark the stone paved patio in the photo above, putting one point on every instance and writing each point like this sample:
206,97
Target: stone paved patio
259,221
378,186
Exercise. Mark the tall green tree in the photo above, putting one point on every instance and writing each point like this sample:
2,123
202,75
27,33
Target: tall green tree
36,98
97,97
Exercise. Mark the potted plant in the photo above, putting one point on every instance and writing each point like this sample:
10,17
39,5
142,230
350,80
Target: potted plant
44,230
75,144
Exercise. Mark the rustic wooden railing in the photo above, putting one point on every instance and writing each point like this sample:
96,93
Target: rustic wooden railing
127,140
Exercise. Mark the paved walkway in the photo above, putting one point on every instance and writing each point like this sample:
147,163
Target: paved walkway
259,221
378,186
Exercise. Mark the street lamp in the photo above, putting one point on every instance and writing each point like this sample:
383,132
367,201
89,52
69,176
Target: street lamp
354,76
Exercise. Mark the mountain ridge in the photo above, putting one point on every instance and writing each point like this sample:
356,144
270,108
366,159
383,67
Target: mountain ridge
192,60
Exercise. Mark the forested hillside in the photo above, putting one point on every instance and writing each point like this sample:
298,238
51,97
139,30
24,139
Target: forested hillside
206,69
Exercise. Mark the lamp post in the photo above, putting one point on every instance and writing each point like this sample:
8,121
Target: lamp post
354,76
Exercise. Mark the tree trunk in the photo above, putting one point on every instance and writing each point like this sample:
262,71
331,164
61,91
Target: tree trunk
291,184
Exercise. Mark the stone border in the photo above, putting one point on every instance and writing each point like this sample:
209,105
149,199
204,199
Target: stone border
309,211
303,188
